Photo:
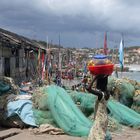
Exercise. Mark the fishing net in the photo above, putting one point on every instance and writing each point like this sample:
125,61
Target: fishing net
116,110
3,87
40,108
136,101
13,116
84,101
113,125
135,83
65,113
7,82
58,107
43,117
40,99
123,114
122,90
62,112
5,91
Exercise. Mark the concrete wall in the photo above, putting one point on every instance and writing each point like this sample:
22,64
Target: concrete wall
22,62
4,51
0,51
1,66
16,73
20,72
12,67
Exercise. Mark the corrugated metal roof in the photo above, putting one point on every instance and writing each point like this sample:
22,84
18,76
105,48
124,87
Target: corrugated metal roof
12,39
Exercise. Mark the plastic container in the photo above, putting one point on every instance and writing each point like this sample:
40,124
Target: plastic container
100,60
101,65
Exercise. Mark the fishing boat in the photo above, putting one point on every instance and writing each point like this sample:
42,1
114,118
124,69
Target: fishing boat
118,68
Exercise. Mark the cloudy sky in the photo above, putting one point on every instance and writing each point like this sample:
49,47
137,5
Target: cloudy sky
80,23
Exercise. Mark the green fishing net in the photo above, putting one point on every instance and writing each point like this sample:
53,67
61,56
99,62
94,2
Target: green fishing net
84,101
136,101
116,110
65,113
4,87
65,109
43,117
122,90
123,114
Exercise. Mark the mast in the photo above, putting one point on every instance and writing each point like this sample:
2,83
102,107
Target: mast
105,44
47,78
59,59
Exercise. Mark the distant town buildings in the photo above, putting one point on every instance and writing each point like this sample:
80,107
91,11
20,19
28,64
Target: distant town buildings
131,55
19,55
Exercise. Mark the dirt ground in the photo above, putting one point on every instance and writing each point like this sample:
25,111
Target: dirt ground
18,134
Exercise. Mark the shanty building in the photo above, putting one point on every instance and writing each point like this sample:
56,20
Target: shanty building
18,56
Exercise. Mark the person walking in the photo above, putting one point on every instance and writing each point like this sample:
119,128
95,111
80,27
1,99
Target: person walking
101,69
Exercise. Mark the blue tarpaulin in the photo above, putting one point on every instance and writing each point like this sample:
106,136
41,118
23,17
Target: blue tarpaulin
23,108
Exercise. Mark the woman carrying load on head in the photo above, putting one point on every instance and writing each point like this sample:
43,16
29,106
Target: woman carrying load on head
101,73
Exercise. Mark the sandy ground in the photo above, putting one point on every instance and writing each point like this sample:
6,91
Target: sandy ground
125,134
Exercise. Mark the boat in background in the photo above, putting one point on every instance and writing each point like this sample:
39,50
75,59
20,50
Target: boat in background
134,68
118,68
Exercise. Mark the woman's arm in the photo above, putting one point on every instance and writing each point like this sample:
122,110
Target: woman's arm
97,92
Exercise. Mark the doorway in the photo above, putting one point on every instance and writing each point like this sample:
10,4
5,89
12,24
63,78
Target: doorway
7,67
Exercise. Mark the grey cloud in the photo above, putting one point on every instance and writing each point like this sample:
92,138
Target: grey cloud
81,22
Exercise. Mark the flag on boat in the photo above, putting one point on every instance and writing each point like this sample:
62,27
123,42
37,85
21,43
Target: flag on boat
105,44
121,54
38,64
42,65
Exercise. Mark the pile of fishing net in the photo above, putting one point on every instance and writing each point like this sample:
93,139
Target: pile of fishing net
8,87
56,106
40,108
121,113
63,110
136,97
125,91
122,90
136,101
86,103
3,87
15,109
